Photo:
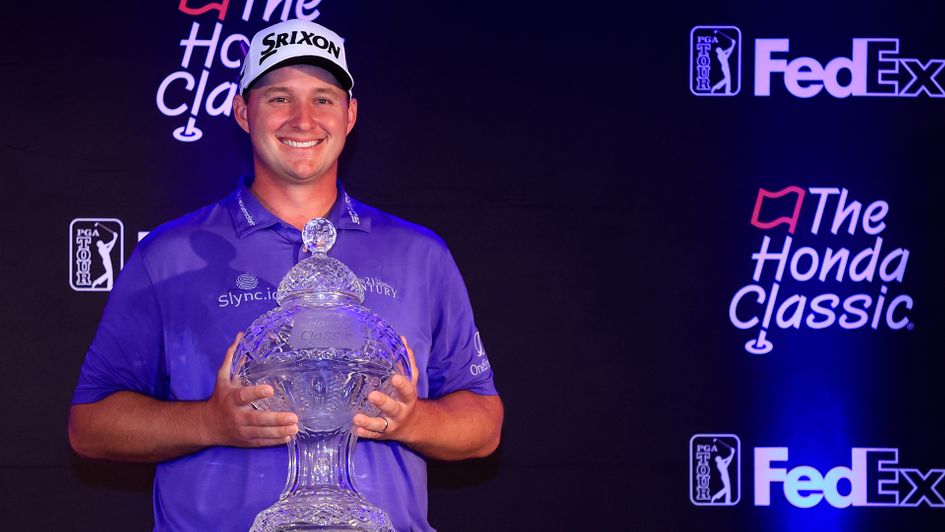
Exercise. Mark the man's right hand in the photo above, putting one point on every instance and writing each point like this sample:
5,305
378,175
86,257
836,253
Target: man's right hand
230,418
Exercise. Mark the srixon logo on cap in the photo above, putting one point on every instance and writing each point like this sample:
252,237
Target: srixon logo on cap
274,41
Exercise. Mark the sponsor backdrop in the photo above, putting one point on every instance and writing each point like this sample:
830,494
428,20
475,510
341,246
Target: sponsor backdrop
703,242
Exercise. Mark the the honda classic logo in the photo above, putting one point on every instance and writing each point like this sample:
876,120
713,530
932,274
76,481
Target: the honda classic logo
805,272
203,83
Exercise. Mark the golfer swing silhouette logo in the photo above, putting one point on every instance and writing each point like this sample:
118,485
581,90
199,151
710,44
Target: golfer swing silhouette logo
105,253
723,55
722,465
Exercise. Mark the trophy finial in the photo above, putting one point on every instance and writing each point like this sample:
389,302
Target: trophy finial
319,236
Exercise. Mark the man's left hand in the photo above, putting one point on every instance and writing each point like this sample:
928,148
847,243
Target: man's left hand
396,413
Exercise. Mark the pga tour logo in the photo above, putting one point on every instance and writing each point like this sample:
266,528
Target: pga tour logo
714,469
870,67
715,60
96,253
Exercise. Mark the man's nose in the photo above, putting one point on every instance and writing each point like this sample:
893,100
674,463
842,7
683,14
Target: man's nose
303,117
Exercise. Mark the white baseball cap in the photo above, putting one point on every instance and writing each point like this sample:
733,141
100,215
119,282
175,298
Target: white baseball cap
295,42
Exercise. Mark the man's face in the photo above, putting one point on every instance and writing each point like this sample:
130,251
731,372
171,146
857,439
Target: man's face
297,118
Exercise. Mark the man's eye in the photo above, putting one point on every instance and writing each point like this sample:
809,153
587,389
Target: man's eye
322,101
279,99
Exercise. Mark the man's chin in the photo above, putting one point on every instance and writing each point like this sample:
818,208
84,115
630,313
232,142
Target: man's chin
308,178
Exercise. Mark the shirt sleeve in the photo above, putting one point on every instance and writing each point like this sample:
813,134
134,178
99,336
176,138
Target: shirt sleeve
458,360
126,352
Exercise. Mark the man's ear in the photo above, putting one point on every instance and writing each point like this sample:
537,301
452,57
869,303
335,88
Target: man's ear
239,112
352,113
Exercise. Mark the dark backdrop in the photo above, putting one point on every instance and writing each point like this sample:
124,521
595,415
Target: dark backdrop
599,211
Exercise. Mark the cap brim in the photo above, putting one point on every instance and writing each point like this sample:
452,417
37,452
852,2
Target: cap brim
344,80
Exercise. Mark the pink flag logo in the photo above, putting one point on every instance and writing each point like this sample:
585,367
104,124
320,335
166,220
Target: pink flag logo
780,204
221,7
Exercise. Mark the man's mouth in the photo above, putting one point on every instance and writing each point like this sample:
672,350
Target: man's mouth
301,144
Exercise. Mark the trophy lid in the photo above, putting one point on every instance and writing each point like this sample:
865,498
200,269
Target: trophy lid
322,276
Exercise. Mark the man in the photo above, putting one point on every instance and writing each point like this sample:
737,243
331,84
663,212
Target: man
155,386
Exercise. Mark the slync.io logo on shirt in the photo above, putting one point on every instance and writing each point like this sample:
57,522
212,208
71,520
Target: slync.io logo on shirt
874,67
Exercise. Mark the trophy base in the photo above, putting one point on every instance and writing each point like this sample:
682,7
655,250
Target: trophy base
324,510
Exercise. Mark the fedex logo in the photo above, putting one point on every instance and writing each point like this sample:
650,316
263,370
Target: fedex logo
872,479
874,68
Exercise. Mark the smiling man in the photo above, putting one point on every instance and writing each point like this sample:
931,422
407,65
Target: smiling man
155,383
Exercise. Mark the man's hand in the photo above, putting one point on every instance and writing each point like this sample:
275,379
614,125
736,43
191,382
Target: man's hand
230,419
456,426
396,414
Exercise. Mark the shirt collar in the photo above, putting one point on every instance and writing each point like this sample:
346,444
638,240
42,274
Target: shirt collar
250,216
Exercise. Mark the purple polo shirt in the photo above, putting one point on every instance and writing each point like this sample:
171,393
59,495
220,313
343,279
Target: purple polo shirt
193,283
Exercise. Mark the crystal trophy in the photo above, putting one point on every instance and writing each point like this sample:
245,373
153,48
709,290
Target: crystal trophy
322,352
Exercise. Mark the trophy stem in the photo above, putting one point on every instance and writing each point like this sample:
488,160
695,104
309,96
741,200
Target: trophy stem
319,460
319,494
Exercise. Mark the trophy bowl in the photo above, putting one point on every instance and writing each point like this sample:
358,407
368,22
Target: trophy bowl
322,352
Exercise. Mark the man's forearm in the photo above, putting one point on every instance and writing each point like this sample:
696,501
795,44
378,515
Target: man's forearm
456,426
132,427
